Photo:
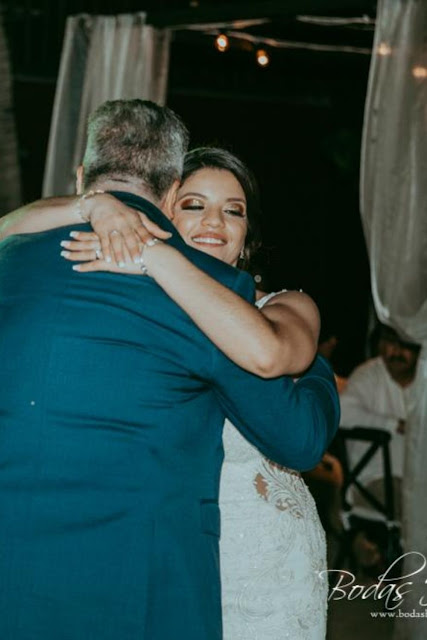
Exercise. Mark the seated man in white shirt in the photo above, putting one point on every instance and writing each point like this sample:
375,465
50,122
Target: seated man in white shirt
377,396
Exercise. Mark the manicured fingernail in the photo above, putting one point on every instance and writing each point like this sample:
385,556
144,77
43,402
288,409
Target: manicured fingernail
74,234
65,243
121,264
169,235
108,259
76,267
137,260
65,254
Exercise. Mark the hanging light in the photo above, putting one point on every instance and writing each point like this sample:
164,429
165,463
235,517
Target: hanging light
262,57
384,49
420,73
221,42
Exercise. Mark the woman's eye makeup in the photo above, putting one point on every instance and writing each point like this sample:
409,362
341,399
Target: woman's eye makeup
192,205
196,204
235,211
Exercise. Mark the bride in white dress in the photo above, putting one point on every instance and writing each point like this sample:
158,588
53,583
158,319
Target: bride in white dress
273,545
273,548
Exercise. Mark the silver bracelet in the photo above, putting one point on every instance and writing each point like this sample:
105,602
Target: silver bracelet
150,243
79,203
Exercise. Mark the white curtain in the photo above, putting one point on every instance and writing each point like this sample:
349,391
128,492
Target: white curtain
103,58
10,183
394,213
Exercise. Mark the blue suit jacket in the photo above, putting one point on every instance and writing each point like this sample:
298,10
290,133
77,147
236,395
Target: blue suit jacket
112,404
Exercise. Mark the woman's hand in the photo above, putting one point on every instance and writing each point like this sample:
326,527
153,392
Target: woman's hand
86,247
120,230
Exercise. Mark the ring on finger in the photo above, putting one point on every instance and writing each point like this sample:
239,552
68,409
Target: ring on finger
114,232
98,254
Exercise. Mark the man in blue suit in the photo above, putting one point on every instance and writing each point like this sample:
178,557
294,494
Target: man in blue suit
112,404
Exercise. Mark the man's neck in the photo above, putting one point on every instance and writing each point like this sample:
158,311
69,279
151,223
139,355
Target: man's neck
128,186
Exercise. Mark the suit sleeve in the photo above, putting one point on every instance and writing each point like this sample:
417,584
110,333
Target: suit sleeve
291,423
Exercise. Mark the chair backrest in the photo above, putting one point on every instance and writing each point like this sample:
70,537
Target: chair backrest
376,439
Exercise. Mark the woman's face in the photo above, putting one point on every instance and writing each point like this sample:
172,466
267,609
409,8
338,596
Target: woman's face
210,213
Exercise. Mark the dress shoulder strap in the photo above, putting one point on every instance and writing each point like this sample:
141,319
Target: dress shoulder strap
262,301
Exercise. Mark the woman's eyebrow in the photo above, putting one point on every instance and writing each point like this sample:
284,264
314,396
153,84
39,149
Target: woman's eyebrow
192,193
195,194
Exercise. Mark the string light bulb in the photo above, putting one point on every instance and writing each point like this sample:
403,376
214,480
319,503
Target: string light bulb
420,73
262,58
384,49
221,42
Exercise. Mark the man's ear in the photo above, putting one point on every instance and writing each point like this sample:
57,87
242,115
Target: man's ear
168,201
79,179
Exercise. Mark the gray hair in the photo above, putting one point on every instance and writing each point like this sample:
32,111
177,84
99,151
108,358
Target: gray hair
135,139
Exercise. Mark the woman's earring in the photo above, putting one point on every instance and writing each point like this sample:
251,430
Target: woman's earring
242,254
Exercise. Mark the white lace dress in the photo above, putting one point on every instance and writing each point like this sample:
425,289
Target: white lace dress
272,549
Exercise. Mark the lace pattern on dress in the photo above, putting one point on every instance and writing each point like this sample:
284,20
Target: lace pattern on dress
277,485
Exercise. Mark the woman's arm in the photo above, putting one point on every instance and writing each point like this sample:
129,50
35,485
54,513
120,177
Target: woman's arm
280,339
103,211
40,216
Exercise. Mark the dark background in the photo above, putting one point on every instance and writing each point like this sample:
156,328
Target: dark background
297,123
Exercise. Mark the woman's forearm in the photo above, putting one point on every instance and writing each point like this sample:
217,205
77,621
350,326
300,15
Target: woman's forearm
41,215
249,338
